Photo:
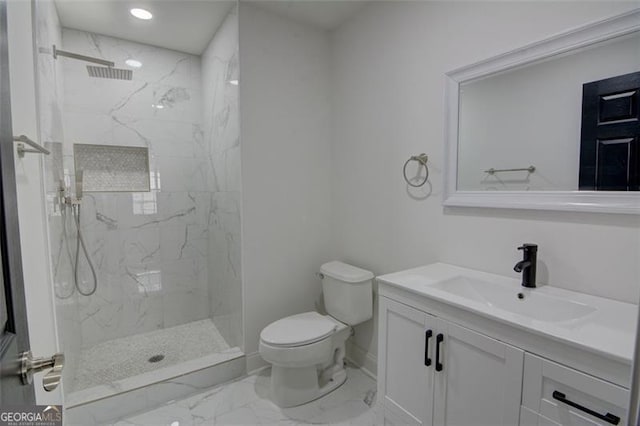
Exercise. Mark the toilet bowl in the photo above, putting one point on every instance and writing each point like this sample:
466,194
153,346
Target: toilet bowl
307,350
307,356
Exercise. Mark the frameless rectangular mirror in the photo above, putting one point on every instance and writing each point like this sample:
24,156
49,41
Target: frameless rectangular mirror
553,125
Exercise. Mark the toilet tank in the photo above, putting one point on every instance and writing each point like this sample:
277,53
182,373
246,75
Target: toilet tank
348,292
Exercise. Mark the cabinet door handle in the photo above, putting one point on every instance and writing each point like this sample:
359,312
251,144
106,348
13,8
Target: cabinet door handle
609,418
439,339
427,336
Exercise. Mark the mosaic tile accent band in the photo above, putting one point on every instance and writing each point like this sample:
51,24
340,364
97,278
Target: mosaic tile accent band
113,168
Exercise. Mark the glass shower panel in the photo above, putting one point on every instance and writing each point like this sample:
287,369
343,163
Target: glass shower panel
166,251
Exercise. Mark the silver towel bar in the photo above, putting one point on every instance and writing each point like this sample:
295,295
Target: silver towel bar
22,139
529,169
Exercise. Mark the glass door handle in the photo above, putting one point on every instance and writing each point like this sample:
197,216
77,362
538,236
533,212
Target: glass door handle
30,365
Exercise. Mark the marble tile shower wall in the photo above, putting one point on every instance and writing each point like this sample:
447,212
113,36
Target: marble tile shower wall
222,135
150,249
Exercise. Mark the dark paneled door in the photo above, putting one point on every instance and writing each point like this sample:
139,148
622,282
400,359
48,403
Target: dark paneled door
14,337
610,147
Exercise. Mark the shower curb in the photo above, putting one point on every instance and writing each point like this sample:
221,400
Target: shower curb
145,398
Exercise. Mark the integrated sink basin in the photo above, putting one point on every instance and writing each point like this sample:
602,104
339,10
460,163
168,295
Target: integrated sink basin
595,324
524,302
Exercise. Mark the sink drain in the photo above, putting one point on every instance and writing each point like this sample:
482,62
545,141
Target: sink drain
156,358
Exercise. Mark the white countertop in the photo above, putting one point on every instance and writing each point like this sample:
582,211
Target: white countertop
608,331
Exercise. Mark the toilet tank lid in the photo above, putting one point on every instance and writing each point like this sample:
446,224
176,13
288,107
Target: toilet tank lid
347,273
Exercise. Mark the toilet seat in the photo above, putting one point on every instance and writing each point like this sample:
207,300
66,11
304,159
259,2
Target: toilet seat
299,330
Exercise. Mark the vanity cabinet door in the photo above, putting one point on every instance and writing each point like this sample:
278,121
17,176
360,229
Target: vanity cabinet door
405,381
480,379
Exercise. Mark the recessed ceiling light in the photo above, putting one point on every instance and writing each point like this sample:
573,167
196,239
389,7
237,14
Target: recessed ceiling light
133,63
141,13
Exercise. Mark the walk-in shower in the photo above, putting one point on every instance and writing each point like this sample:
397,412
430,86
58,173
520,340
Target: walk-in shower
74,204
71,203
143,196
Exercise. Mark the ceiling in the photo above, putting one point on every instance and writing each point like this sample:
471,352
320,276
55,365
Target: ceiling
184,25
323,14
189,25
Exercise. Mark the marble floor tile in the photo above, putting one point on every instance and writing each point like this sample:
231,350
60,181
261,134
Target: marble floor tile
246,402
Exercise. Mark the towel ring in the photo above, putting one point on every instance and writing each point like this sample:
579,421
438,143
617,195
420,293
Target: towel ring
422,159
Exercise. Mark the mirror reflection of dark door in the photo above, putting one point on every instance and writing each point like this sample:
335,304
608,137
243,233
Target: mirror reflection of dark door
610,147
14,337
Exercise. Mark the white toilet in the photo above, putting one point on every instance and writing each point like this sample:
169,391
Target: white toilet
307,350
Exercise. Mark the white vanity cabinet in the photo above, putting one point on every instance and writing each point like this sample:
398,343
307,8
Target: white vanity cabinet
447,357
434,372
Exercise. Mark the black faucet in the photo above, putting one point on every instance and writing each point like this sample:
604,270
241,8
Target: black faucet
528,265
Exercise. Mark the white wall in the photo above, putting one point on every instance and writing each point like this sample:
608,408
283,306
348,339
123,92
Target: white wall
30,192
285,131
388,67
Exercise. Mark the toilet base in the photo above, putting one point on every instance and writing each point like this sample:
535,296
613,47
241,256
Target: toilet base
296,386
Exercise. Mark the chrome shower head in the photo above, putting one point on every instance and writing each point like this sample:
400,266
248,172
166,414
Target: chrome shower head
105,71
109,72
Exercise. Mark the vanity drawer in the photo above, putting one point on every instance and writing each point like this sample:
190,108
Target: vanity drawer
563,396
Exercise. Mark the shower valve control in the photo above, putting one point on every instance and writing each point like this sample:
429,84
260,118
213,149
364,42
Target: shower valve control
30,365
70,201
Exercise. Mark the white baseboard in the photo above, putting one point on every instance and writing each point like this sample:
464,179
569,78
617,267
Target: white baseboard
366,361
255,362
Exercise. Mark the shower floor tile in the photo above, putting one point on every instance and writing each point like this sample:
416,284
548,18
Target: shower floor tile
246,402
118,359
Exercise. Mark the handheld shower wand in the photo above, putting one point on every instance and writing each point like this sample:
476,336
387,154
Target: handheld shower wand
75,205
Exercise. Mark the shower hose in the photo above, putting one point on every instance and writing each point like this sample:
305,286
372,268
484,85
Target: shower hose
75,211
